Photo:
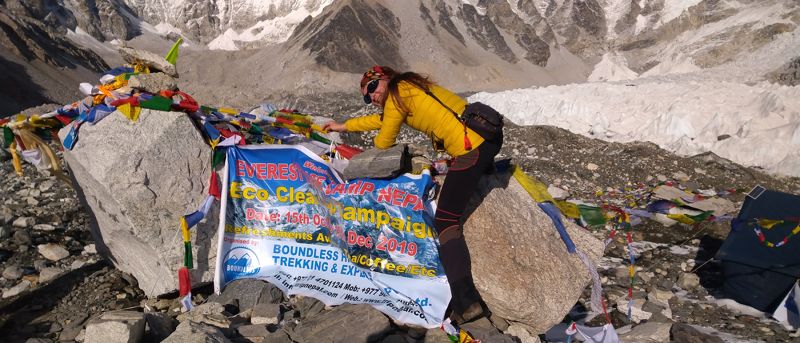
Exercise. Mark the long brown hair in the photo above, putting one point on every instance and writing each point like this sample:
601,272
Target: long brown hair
420,81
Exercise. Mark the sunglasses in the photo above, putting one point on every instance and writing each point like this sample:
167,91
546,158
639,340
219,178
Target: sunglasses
371,87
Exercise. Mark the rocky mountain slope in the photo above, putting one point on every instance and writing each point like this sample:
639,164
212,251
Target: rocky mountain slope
319,46
39,62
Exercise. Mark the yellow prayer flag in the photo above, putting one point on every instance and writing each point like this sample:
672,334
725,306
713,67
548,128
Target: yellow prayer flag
131,112
769,223
568,209
536,189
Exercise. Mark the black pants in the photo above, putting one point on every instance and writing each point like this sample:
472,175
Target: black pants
459,185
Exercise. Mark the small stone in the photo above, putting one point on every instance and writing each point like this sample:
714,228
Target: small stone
646,276
55,327
637,313
12,272
5,232
688,281
52,252
49,273
22,237
89,250
40,264
253,330
19,288
622,272
557,193
592,166
162,304
265,313
661,178
660,296
46,185
24,222
680,176
6,214
648,332
44,227
522,334
77,264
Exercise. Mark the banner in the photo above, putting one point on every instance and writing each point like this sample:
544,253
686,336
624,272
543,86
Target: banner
288,218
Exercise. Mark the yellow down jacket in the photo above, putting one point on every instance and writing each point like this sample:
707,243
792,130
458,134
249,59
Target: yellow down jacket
425,114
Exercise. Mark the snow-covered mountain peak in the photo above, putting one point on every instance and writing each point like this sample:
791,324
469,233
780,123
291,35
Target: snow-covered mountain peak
230,24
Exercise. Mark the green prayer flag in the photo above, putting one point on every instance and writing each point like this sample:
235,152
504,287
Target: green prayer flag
219,156
8,137
172,55
187,255
702,216
317,137
255,130
158,103
592,215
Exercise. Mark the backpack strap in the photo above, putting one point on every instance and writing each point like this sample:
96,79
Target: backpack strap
467,143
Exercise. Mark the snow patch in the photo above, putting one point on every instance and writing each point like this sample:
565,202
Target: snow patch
674,8
225,41
166,28
614,11
270,31
679,250
754,125
612,67
83,38
739,308
679,65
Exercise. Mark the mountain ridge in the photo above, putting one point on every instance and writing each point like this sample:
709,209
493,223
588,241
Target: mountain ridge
489,45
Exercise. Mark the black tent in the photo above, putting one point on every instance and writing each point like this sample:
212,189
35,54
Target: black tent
756,274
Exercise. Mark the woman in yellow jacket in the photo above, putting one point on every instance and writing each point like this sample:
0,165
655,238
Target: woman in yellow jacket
412,99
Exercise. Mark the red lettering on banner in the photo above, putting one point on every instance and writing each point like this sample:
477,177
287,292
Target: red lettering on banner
367,187
268,171
397,197
272,172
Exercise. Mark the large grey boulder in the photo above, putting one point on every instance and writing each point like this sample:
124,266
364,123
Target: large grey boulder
137,179
344,323
191,332
153,82
379,163
117,326
149,59
520,265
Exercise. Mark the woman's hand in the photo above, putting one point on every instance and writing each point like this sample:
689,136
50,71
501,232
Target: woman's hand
334,126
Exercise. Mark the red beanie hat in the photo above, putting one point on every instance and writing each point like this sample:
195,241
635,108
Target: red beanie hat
376,72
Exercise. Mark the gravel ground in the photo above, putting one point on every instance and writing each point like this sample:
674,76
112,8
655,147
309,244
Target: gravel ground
63,294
